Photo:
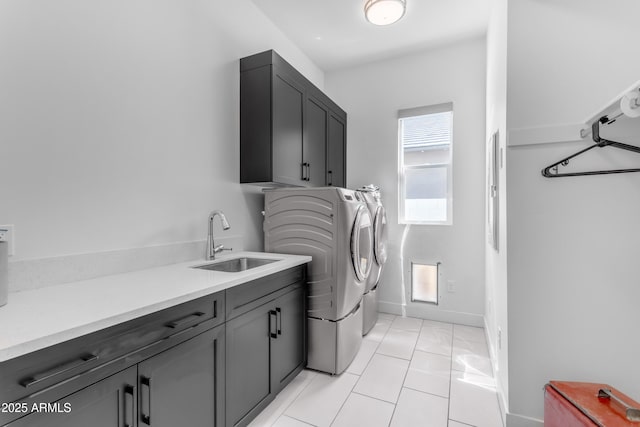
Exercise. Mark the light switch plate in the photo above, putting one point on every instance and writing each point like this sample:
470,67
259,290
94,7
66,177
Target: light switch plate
8,236
451,286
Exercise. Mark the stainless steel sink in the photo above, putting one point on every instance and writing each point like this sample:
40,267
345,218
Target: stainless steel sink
237,264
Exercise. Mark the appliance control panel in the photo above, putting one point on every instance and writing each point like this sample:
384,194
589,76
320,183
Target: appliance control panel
348,195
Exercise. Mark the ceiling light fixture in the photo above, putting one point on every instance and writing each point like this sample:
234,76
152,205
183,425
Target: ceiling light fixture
384,12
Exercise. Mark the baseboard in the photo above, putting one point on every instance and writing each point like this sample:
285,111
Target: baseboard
502,401
514,420
510,420
431,313
390,307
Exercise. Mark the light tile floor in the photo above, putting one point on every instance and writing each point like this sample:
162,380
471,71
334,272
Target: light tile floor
409,372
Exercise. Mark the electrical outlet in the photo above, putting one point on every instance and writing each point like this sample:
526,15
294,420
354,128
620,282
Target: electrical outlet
451,286
7,234
499,339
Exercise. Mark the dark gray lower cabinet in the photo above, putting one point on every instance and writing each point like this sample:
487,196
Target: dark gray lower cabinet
182,366
184,386
265,350
107,403
287,350
248,360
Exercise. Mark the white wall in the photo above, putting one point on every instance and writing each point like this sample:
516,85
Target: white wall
372,94
573,268
496,261
119,121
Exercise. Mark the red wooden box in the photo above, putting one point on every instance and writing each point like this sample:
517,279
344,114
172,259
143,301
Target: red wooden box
573,404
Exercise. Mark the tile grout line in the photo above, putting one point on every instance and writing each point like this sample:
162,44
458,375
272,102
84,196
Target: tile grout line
296,398
435,354
371,397
460,422
370,359
333,420
424,392
395,406
375,352
297,419
405,375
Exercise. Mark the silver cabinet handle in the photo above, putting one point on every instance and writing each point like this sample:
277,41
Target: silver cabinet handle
633,414
57,370
183,320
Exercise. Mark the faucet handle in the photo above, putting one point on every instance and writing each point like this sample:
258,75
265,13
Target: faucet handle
221,248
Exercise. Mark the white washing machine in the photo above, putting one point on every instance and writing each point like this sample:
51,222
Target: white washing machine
372,197
332,225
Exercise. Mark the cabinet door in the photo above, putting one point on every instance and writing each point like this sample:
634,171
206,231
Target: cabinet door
248,344
315,142
336,152
107,403
255,125
184,386
288,349
288,102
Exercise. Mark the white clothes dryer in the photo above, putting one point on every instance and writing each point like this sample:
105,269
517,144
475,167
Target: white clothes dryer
332,225
373,199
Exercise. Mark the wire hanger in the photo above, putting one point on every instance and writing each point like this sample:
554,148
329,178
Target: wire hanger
551,171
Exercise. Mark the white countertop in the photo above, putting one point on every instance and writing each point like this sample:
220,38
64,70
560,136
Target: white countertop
43,317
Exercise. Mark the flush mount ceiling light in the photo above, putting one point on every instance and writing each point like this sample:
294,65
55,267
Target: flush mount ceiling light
384,12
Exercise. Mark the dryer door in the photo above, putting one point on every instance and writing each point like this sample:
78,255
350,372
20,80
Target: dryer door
362,243
380,236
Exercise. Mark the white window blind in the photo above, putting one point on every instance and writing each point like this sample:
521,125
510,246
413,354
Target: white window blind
425,141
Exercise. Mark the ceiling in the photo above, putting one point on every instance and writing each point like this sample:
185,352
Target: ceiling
335,34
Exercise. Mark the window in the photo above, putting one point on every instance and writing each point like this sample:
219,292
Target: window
425,143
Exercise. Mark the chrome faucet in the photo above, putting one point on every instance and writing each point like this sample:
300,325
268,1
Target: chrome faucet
212,249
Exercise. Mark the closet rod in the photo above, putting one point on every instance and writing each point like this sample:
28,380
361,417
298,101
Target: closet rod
631,100
610,118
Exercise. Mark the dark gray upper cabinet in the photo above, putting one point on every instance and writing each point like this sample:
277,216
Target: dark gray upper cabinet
287,116
286,130
336,147
314,141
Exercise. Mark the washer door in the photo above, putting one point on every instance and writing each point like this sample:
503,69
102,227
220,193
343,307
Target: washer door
380,236
362,243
